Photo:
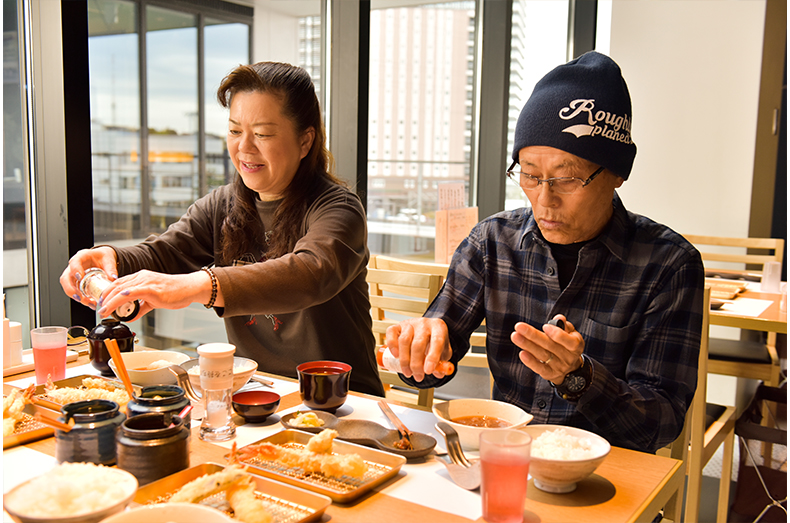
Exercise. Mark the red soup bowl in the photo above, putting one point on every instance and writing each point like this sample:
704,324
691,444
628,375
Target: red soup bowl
323,385
255,405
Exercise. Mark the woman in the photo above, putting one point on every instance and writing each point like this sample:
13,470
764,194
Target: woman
287,241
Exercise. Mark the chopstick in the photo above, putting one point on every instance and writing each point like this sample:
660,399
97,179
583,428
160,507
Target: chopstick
65,427
395,420
115,353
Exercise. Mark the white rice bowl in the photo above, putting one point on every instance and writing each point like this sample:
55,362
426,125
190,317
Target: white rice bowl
562,456
71,493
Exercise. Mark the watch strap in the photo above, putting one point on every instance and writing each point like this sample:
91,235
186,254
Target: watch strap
584,372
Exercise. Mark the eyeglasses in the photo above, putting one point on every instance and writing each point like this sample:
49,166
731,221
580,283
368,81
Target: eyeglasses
563,185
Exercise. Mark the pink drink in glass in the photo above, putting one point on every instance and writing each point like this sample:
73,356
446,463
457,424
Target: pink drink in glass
504,467
49,361
49,353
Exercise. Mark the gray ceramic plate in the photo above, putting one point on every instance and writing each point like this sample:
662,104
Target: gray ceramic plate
368,433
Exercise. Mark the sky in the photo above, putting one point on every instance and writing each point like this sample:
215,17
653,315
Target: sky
171,76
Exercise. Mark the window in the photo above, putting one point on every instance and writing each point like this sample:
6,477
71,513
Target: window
419,66
157,144
14,202
538,44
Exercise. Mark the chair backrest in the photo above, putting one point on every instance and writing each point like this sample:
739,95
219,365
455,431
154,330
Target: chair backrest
395,295
396,264
398,294
740,251
693,431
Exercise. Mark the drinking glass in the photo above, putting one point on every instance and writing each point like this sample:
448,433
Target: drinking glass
504,467
49,352
772,277
216,380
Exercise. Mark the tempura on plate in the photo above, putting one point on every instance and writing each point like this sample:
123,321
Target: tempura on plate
239,491
316,457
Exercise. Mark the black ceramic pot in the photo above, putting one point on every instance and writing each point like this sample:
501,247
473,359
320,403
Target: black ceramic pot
152,446
166,399
109,328
92,438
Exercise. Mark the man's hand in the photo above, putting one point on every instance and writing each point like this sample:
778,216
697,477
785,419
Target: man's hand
419,344
552,353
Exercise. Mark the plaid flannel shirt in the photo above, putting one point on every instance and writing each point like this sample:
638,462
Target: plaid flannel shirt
635,297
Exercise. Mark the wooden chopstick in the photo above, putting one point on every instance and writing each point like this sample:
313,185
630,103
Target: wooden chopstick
115,353
65,427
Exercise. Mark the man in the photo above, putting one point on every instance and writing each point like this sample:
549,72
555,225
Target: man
628,290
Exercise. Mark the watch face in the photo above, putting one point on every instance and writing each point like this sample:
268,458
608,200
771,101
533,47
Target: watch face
575,383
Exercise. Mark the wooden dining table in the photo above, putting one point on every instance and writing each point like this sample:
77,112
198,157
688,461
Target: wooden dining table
772,319
628,486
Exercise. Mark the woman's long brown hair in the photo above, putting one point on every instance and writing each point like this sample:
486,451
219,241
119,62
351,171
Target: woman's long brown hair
241,231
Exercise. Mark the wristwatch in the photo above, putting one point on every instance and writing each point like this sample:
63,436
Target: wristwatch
576,382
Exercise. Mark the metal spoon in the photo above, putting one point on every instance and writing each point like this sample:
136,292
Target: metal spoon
465,473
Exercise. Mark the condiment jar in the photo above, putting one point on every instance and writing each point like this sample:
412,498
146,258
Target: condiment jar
109,328
92,285
92,438
152,446
165,399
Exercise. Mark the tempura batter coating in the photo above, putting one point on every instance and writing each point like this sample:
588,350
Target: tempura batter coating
311,461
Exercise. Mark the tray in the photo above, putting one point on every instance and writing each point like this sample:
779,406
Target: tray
725,290
76,382
368,433
286,503
28,429
382,466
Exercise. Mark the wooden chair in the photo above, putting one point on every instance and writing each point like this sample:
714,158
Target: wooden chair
738,253
395,295
746,358
478,339
707,427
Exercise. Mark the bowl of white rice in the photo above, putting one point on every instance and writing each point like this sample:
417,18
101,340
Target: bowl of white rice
563,456
150,367
71,493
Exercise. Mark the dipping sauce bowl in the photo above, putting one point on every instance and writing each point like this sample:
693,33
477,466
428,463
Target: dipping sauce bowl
255,405
323,385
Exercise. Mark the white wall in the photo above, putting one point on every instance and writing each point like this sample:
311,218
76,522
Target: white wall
276,36
693,69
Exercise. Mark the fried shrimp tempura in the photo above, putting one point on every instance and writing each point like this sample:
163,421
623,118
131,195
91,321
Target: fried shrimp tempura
316,457
208,485
246,507
12,408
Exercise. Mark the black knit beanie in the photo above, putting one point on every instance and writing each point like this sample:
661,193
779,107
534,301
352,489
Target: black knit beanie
583,108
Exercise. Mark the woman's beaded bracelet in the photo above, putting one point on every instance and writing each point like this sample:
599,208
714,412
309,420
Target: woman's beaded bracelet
213,287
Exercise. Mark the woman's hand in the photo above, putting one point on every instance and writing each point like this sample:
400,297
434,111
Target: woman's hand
101,257
157,290
552,353
419,344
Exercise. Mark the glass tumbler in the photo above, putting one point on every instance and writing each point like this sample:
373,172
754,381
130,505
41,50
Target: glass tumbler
216,380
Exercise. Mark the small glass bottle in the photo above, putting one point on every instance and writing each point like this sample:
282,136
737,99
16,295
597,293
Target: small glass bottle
386,360
216,380
93,284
